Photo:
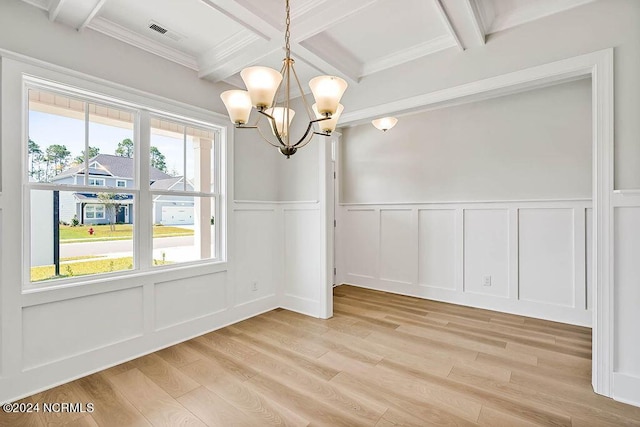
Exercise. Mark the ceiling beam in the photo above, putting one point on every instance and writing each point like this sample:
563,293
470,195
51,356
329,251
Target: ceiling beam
447,23
92,14
464,18
54,9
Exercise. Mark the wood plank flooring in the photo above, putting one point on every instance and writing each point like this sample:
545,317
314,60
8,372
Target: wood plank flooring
382,360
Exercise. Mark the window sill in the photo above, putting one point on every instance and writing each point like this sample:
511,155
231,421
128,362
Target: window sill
36,293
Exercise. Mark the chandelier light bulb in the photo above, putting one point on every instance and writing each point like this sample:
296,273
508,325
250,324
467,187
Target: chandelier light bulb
327,91
328,125
280,116
385,123
262,84
238,103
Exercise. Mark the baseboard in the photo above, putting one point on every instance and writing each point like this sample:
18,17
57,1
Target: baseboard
626,388
301,305
504,305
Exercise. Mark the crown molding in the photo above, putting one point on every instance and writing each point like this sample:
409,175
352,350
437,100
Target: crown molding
409,54
228,47
123,34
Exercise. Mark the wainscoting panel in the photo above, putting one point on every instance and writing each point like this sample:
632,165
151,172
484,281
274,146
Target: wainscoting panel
255,250
184,300
523,257
546,258
398,245
437,248
62,329
362,246
302,260
486,252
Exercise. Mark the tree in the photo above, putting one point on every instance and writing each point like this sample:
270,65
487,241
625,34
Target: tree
93,151
158,160
109,200
36,158
125,148
57,158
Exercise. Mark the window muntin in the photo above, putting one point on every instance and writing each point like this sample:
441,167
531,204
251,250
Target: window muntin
87,119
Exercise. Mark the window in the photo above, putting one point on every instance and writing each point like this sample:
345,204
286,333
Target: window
183,168
77,143
94,212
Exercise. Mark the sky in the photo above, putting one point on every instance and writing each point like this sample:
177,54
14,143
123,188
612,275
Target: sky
47,129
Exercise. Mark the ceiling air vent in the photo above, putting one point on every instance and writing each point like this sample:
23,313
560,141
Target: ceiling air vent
157,28
161,29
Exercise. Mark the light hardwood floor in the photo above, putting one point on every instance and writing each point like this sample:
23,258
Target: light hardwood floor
382,360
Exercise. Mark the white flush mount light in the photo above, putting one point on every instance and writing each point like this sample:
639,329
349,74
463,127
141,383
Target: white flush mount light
385,123
265,86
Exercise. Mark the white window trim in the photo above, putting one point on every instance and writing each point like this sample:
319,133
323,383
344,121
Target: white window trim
96,180
143,104
118,181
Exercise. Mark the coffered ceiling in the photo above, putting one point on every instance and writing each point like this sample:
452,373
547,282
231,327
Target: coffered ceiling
351,39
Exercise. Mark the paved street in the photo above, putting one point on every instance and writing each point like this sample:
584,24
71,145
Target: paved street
119,246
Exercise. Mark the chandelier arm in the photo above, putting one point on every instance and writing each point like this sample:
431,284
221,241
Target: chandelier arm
304,98
267,140
309,127
273,126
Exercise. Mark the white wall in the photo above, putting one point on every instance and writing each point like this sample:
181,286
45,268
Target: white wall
529,145
535,254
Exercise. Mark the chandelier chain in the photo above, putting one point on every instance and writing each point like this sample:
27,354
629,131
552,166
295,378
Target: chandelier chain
287,33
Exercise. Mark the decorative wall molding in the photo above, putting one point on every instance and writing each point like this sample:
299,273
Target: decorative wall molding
443,252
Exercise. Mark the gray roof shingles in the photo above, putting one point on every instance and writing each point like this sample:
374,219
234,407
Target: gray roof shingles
118,166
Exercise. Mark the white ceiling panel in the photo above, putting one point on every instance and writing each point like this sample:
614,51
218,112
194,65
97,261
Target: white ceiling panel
384,28
196,26
499,15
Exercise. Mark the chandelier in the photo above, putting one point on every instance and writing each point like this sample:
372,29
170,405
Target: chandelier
266,86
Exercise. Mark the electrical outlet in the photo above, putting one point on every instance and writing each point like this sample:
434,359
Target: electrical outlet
254,286
486,281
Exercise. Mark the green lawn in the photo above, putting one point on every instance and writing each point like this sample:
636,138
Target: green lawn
83,268
122,232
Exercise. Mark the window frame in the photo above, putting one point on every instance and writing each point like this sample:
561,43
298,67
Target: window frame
118,181
94,209
214,193
104,182
143,107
